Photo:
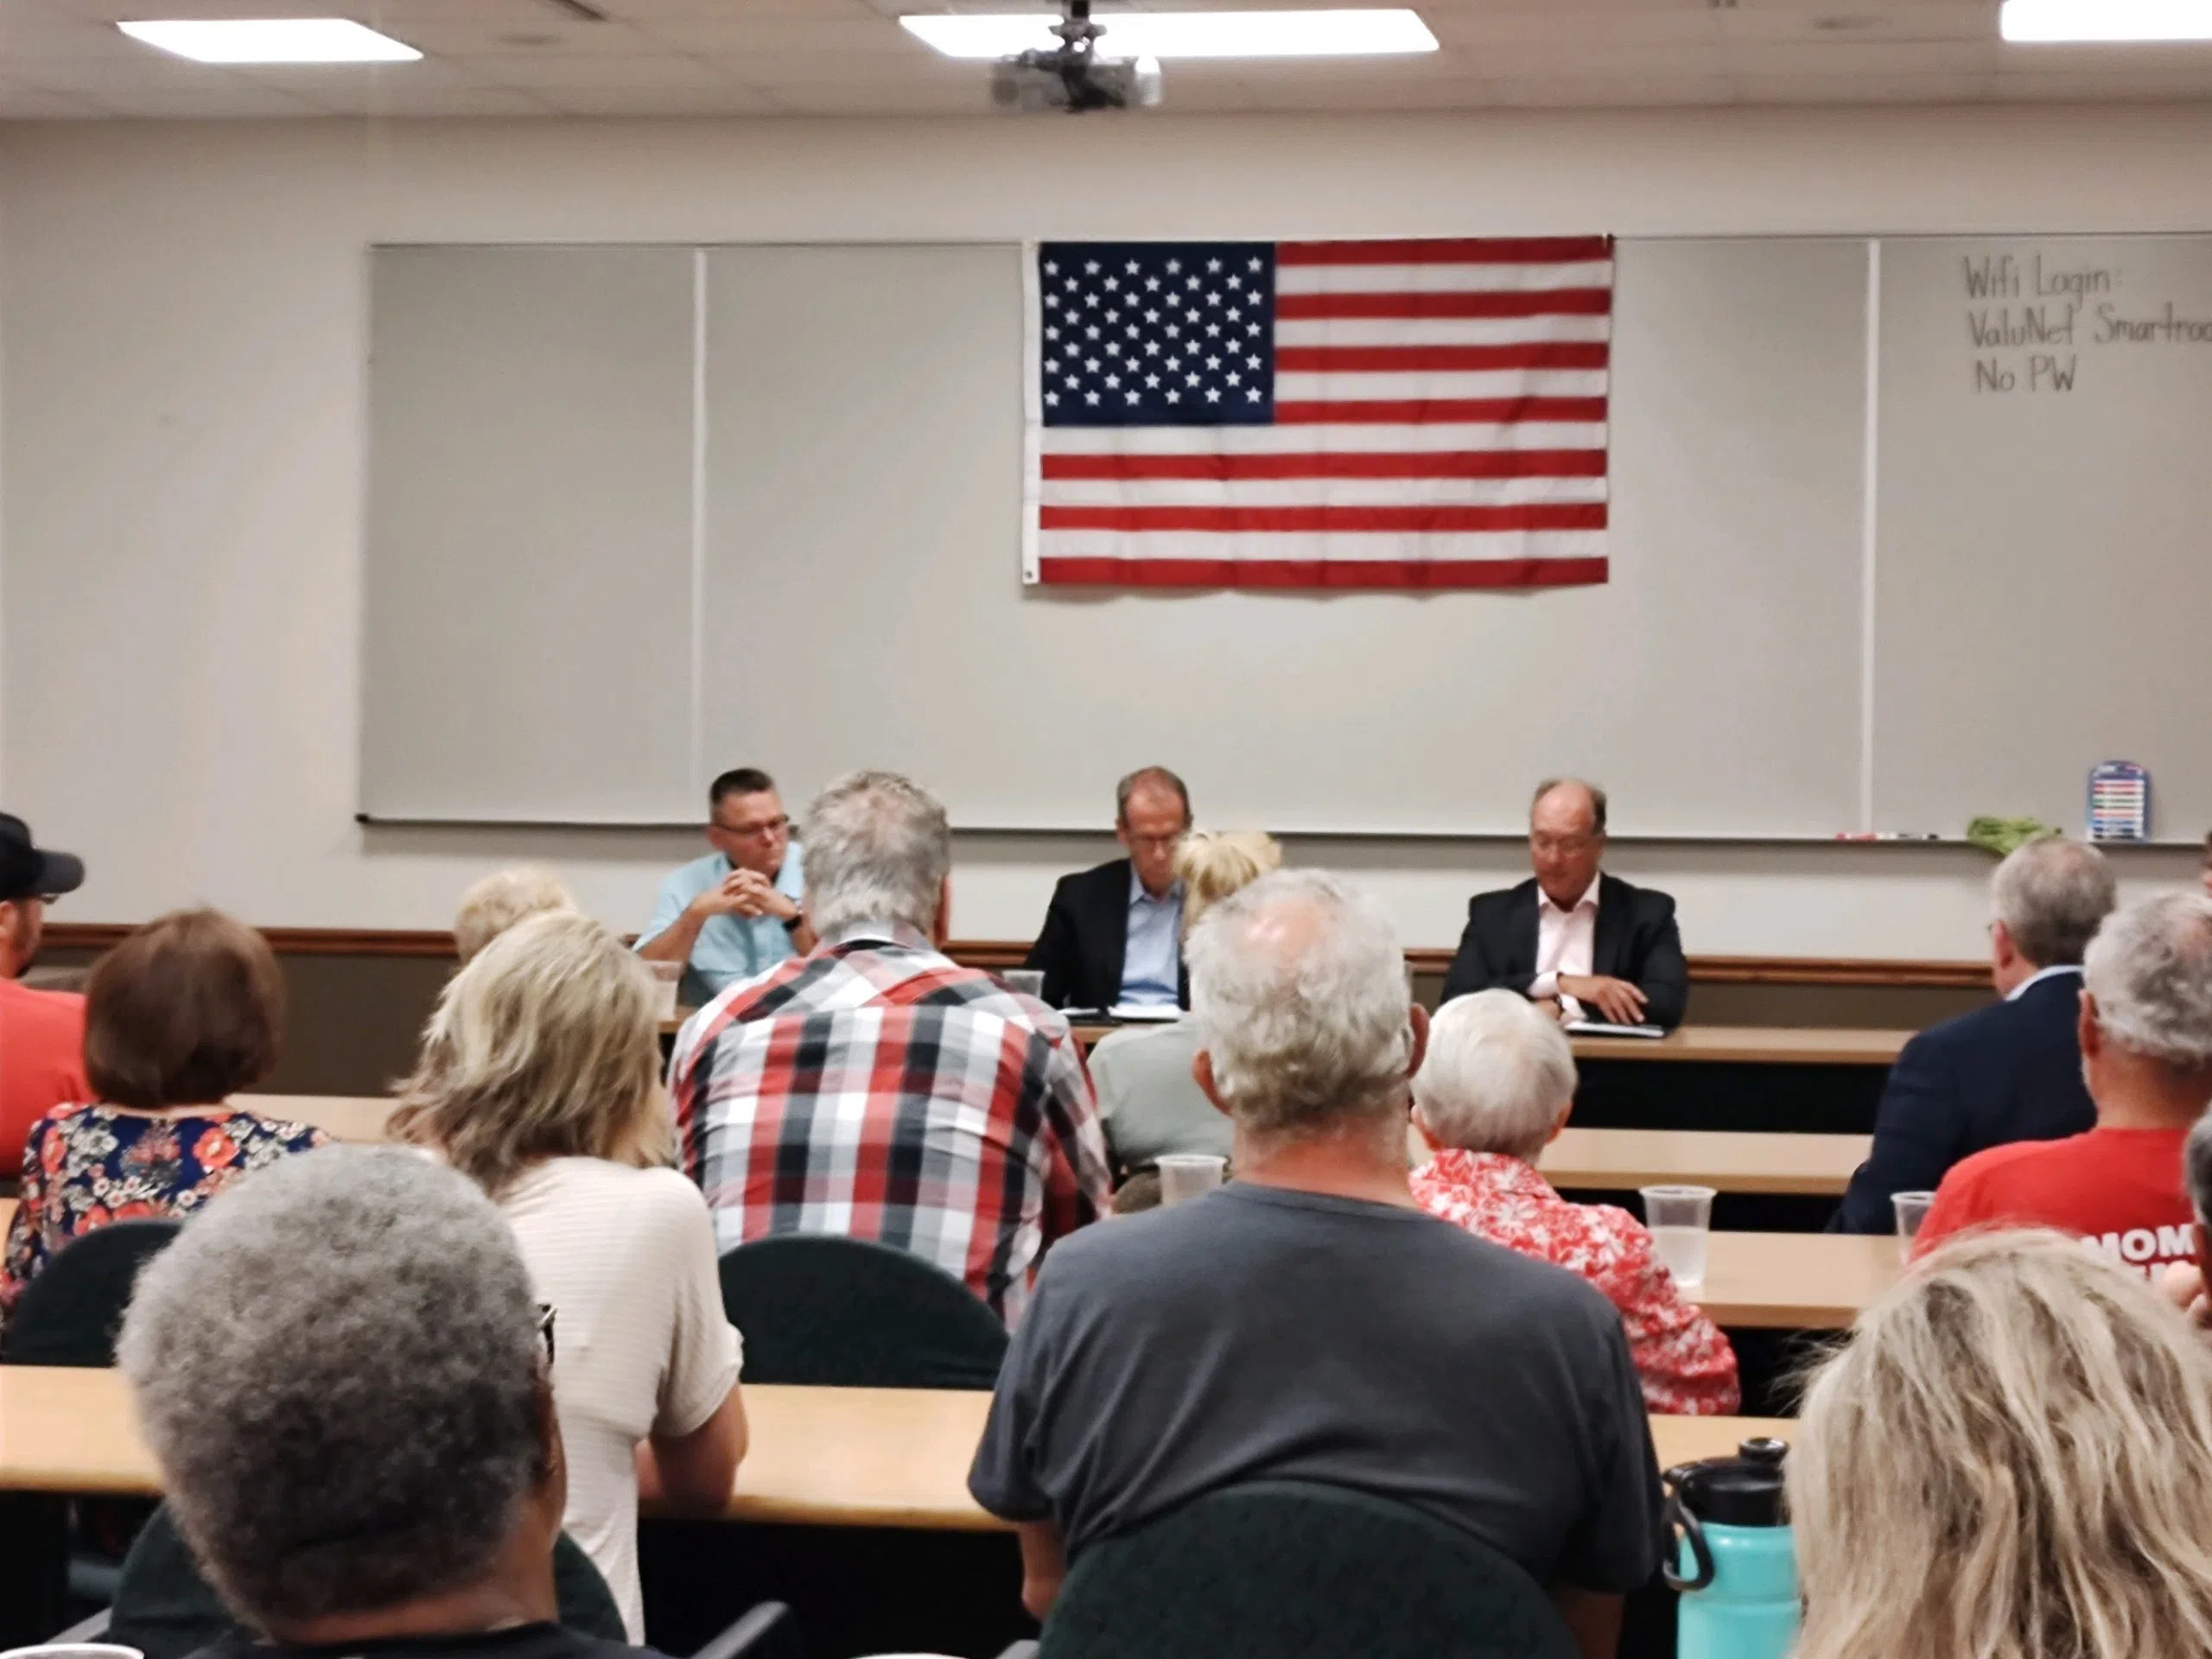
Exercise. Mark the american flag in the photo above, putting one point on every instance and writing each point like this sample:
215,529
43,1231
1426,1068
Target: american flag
1401,414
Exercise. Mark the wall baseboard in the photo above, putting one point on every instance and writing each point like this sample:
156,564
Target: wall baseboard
1000,954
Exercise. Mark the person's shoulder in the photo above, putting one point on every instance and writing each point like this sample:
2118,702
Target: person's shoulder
25,1005
1499,898
1651,900
1994,1165
1130,1043
696,876
1099,878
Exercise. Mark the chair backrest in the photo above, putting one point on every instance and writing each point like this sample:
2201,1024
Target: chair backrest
845,1312
69,1312
1290,1570
167,1609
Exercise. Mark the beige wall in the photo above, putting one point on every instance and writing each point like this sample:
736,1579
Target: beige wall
181,437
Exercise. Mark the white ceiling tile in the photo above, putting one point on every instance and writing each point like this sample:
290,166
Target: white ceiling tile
857,33
614,72
35,103
1868,89
667,101
236,101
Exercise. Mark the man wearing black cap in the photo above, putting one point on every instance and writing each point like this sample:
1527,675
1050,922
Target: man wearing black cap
41,1033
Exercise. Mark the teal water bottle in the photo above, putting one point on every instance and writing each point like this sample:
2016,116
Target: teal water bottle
1733,1558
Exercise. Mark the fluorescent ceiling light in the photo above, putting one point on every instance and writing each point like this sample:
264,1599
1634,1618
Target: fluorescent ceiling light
272,40
2107,19
1186,33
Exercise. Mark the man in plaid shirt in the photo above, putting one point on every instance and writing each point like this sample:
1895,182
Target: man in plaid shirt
875,1088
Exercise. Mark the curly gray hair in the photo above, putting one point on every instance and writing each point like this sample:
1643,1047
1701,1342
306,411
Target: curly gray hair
877,850
1298,989
2150,969
337,1367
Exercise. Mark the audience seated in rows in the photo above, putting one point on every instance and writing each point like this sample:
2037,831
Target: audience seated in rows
495,904
1494,1091
1147,1099
41,1033
2008,1072
180,1015
878,1090
539,1080
1309,1321
2011,1459
343,1375
2145,1032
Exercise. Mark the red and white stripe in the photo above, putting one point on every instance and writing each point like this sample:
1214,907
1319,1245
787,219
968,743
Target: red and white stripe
1440,423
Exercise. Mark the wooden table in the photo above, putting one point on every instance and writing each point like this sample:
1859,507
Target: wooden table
1728,1161
1751,1044
819,1457
1794,1281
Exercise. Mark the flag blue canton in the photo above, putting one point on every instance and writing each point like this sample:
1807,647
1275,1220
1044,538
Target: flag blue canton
1156,334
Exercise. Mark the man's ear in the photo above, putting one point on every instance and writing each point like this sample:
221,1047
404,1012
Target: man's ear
943,931
2002,950
1566,1111
2086,1028
1202,1074
1418,1016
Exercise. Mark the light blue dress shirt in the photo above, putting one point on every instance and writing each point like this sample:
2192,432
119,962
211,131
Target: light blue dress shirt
1152,960
728,948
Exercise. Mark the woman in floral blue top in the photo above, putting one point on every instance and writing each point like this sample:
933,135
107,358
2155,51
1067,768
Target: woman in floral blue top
178,1017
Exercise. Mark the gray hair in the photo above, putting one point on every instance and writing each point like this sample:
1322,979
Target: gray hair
878,847
495,904
2150,969
1597,798
1148,777
2196,1166
2051,893
337,1367
1496,1075
1299,988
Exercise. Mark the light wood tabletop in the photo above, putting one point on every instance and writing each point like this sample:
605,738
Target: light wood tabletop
1758,1045
1727,1161
819,1457
1794,1281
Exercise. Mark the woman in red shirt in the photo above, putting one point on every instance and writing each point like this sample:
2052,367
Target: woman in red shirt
1495,1087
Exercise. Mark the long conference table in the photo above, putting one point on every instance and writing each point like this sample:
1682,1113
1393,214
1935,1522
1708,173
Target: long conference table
819,1456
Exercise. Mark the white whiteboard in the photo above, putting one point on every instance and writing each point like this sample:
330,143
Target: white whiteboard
2045,526
857,537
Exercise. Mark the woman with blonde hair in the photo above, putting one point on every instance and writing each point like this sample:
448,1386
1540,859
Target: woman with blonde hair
2012,1459
1148,1100
497,902
540,1080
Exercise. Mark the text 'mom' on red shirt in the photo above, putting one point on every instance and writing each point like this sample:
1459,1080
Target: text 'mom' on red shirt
2118,1191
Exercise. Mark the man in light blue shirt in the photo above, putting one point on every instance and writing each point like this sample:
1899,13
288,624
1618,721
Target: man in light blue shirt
1152,958
734,913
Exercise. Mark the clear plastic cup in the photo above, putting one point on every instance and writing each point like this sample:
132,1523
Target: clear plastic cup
1681,1222
1030,982
667,976
1912,1209
1188,1175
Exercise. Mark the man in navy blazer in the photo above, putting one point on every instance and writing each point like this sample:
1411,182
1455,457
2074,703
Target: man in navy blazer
1583,944
2011,1071
1114,935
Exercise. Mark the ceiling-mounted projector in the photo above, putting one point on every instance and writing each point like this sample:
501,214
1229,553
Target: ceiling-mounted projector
1074,76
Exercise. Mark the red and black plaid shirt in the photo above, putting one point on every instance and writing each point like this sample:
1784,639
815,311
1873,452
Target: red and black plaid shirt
877,1090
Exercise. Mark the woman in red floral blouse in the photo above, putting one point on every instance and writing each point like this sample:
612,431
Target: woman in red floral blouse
181,1013
1494,1088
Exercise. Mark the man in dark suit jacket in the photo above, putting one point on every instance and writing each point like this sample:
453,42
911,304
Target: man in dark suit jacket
2011,1071
1115,934
1586,945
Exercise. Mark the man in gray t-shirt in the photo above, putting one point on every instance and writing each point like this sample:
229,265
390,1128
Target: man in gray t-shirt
1310,1321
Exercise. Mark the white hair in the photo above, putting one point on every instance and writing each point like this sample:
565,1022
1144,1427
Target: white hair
2150,969
878,847
1496,1076
337,1366
2051,893
495,904
1297,986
